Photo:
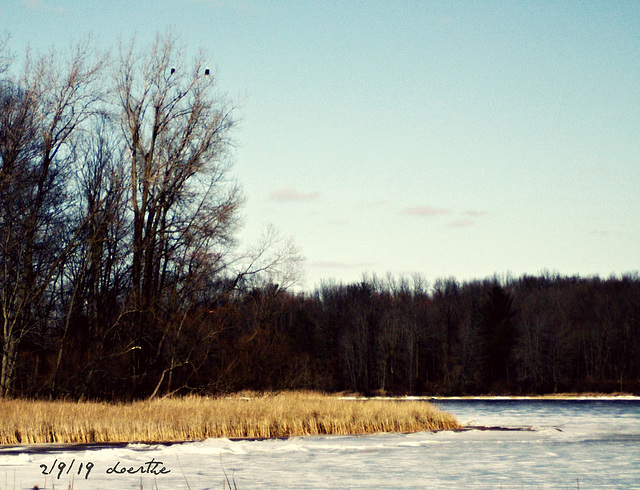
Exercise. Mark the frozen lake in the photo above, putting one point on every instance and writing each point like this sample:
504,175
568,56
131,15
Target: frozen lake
579,443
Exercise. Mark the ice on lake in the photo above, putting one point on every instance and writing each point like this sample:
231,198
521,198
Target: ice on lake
558,444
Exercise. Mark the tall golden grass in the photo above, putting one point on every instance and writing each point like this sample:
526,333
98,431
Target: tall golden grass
197,418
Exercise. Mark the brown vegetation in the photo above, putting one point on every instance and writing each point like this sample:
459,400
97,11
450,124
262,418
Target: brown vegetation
196,418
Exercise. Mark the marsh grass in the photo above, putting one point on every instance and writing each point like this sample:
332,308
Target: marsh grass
196,418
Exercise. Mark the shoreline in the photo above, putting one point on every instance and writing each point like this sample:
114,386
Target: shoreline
543,397
561,396
53,448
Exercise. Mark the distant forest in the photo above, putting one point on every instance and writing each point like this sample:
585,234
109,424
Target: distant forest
120,276
534,334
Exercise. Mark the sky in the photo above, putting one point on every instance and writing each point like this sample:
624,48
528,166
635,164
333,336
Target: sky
465,139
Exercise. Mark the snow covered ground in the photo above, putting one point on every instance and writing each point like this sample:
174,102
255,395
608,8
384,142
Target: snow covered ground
560,444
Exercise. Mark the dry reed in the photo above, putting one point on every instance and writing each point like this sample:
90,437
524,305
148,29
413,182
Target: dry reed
197,418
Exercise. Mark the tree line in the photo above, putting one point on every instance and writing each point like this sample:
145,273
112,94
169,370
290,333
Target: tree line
533,334
526,335
121,278
118,218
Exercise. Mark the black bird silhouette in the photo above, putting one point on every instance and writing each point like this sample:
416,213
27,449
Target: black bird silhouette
173,70
206,72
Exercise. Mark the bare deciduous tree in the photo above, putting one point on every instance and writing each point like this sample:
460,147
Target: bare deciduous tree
43,111
184,208
118,217
176,131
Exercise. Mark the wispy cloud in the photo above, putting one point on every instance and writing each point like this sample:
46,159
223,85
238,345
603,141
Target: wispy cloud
377,204
380,203
230,5
40,6
339,265
474,213
425,211
461,223
289,194
337,222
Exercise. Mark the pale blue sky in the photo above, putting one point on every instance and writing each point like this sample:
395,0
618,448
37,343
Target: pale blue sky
444,138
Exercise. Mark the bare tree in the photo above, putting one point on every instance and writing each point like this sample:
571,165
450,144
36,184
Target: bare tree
176,131
273,260
118,217
184,208
43,112
95,273
5,55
